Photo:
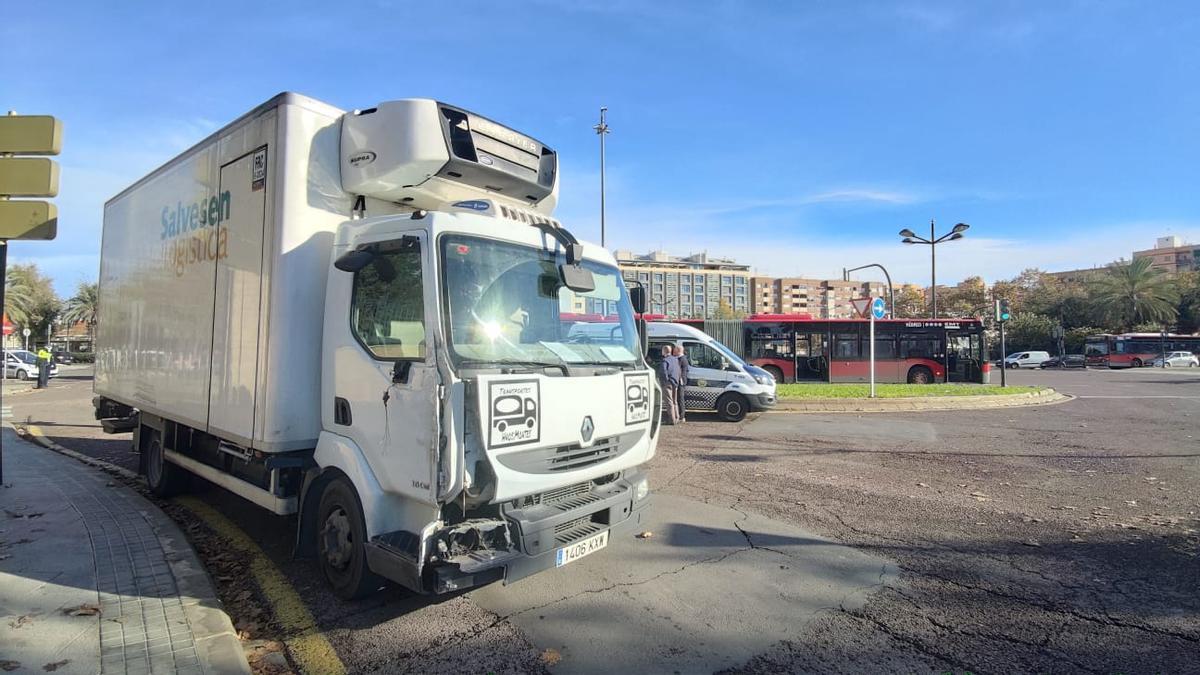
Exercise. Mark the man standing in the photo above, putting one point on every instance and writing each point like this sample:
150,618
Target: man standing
43,366
668,377
681,389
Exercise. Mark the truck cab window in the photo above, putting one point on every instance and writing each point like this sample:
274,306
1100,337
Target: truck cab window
387,311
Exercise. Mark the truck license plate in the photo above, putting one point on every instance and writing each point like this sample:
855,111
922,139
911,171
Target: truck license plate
579,549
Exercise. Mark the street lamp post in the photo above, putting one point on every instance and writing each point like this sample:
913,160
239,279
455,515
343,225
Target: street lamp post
911,237
602,131
891,295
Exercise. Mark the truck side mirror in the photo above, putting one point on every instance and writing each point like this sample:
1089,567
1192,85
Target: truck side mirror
637,298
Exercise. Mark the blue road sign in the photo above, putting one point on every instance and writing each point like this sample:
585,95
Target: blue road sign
878,308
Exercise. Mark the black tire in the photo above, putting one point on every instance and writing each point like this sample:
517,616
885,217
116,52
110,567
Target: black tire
775,373
732,407
164,478
920,375
22,375
1136,363
341,542
1014,365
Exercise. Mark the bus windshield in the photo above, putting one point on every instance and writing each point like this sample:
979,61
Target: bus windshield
506,305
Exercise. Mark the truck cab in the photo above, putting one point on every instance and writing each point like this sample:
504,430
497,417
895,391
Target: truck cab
467,400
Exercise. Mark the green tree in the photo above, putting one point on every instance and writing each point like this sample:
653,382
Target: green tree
726,311
963,299
17,297
910,303
81,307
1136,293
1188,285
1030,331
40,304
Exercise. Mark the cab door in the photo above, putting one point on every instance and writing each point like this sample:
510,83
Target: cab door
387,379
707,375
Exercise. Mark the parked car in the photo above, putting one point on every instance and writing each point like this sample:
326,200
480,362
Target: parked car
1067,361
1026,359
63,358
1177,360
22,364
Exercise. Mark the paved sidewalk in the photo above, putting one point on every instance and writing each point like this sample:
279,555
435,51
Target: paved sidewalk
94,578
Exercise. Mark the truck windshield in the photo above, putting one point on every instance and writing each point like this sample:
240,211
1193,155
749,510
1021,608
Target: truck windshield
506,304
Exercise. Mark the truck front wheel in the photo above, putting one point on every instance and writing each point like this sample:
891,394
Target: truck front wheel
164,478
732,407
341,542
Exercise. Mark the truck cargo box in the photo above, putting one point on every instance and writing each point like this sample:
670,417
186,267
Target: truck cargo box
212,279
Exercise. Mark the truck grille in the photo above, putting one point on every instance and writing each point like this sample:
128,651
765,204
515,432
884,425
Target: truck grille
574,530
563,458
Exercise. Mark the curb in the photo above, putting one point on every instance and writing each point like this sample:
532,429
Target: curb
1046,396
217,643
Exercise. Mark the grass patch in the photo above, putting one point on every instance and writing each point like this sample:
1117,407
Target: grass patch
823,390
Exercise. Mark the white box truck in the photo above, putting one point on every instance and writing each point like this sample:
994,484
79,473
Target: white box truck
371,322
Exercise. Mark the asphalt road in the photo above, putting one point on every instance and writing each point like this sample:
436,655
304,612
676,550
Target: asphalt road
1060,538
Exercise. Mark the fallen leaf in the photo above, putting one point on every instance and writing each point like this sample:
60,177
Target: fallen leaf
978,494
645,535
1031,542
86,609
922,484
551,657
20,621
5,556
1131,502
49,667
10,666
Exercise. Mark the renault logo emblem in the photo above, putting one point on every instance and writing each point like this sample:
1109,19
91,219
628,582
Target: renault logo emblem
585,431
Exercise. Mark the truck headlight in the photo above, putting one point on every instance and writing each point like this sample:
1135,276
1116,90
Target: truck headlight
641,489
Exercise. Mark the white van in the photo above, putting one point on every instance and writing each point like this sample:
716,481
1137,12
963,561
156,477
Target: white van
1026,359
718,379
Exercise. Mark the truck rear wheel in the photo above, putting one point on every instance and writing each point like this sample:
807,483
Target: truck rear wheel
341,542
732,407
164,478
775,373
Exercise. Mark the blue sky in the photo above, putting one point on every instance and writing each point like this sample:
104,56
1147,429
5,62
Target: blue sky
798,137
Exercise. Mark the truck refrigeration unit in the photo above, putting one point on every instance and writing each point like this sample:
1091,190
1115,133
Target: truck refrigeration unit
370,321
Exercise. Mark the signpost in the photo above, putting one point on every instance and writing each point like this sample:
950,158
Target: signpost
38,135
871,308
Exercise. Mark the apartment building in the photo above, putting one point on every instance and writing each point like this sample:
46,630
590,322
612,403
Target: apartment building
819,298
688,287
1171,255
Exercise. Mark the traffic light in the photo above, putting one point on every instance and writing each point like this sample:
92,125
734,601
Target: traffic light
28,176
1002,311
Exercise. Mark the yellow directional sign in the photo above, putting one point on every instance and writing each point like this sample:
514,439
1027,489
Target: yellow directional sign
30,135
28,220
28,177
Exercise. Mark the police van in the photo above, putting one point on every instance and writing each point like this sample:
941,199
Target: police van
718,379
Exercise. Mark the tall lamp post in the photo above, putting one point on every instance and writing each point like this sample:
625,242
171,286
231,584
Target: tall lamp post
911,237
602,131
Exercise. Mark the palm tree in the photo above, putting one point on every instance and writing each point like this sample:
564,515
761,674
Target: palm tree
17,297
1136,293
81,308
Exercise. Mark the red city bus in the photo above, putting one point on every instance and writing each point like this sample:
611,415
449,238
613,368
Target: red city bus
797,348
1133,350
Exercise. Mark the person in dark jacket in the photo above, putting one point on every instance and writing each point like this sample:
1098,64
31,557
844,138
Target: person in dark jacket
669,378
681,388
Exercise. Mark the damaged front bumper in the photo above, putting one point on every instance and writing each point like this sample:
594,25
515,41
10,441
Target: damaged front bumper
536,531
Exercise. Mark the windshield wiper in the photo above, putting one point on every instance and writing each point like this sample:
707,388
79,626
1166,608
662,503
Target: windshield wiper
477,363
621,365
